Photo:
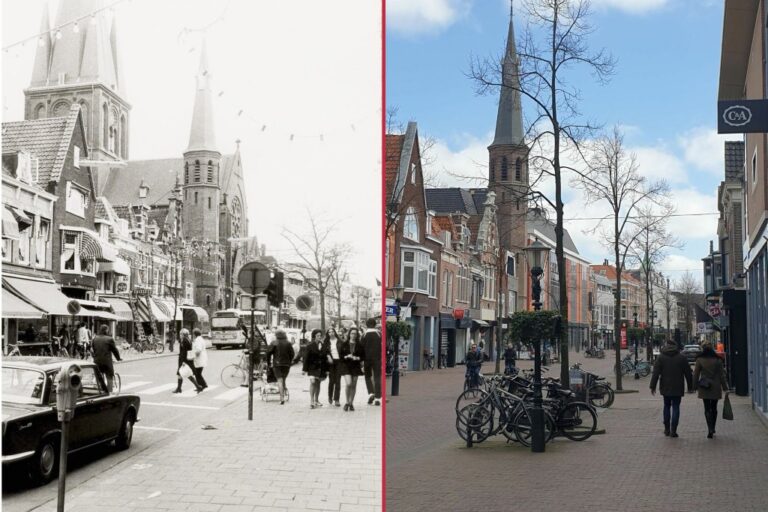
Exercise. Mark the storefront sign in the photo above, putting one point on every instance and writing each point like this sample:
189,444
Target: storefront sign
742,116
391,310
122,287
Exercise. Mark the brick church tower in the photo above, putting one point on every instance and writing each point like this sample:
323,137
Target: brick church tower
508,169
202,190
83,66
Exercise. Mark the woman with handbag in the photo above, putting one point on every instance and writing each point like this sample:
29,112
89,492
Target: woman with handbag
186,356
709,379
314,366
352,354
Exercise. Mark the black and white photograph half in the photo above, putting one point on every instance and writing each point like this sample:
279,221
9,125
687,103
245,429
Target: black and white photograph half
191,255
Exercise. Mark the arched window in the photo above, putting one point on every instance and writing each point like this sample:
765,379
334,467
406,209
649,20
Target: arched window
123,138
207,300
186,173
491,174
503,168
195,197
61,109
210,171
237,215
197,171
411,225
104,126
84,114
518,169
40,111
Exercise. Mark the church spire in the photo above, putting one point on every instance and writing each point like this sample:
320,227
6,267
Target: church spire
201,135
509,120
43,53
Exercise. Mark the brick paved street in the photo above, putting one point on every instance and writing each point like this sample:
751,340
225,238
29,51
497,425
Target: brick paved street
631,468
288,458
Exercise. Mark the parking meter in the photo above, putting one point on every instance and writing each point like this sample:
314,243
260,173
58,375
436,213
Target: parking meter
67,389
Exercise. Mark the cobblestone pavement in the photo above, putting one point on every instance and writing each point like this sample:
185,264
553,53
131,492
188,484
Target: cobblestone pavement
288,458
633,467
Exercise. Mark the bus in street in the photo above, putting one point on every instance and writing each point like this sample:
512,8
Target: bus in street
227,327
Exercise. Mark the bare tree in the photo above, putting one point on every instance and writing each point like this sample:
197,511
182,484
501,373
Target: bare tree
340,278
650,247
554,43
318,257
613,178
690,292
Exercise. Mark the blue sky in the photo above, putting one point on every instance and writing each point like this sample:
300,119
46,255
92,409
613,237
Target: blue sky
663,94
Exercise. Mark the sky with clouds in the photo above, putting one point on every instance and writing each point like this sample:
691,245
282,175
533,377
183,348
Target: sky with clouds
304,101
663,95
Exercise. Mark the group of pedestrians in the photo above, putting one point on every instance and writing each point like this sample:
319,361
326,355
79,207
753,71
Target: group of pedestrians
327,356
672,371
193,358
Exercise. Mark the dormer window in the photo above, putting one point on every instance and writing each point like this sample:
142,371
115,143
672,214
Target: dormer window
143,191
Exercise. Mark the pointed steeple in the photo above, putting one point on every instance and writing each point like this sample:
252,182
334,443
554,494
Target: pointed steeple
117,57
43,53
201,135
509,120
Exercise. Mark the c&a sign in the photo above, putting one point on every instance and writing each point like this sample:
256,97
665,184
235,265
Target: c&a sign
742,116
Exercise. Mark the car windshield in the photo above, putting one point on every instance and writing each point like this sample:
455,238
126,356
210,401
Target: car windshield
23,386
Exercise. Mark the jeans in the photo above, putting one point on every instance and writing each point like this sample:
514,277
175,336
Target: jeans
509,367
372,372
672,402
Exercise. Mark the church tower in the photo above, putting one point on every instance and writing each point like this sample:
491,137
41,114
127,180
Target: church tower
80,63
202,192
508,164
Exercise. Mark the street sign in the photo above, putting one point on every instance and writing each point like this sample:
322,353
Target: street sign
742,116
392,310
303,302
254,277
73,307
714,310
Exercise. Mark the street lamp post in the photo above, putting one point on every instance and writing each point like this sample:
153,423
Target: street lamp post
537,255
398,291
634,335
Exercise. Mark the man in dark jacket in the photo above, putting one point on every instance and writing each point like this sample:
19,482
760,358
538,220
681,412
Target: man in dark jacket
104,348
372,346
673,369
279,357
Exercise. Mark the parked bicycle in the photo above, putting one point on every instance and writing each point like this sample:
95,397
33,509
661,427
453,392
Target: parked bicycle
597,391
429,360
148,344
628,366
236,374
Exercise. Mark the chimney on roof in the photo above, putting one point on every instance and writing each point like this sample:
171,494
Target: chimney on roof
605,262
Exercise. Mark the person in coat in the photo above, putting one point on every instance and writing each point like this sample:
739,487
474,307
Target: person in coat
335,366
103,347
352,353
314,363
509,359
709,379
673,370
279,357
372,363
185,347
201,358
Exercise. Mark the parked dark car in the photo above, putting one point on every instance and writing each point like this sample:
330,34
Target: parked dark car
691,352
31,431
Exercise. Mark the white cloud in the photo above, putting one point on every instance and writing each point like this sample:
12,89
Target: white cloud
631,6
465,167
675,265
656,163
424,16
703,148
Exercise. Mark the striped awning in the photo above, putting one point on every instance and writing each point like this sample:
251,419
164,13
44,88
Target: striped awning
10,226
91,246
148,309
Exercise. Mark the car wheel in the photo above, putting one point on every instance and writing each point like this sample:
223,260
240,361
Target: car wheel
123,441
45,464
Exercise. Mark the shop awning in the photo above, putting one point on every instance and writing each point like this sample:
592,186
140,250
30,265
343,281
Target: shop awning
22,219
91,246
167,306
121,308
10,226
117,267
480,323
44,295
99,313
158,313
15,307
195,314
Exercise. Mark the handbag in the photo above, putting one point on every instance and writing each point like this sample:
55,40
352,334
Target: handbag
727,409
190,355
704,382
185,371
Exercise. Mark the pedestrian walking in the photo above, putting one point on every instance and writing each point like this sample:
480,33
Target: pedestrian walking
201,359
673,370
474,362
335,363
103,349
509,359
372,363
83,338
352,355
279,357
314,358
709,379
185,362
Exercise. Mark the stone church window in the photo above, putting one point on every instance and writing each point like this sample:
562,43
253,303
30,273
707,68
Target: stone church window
40,111
210,171
503,168
105,126
186,174
491,175
518,169
123,138
197,171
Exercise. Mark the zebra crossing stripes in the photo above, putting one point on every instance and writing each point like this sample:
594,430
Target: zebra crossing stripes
134,385
157,389
232,394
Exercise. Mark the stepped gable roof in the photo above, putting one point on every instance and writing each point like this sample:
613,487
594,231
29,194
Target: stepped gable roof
47,139
159,176
734,161
610,274
451,200
535,221
157,215
394,146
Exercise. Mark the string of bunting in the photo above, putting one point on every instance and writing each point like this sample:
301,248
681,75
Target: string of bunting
55,32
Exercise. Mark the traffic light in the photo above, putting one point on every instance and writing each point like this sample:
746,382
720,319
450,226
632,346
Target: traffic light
274,291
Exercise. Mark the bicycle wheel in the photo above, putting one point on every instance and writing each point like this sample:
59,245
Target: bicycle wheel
473,423
469,396
233,376
600,396
644,368
159,347
524,430
116,383
577,421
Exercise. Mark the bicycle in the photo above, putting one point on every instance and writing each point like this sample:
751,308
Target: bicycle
429,361
236,374
57,349
443,361
116,384
14,352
